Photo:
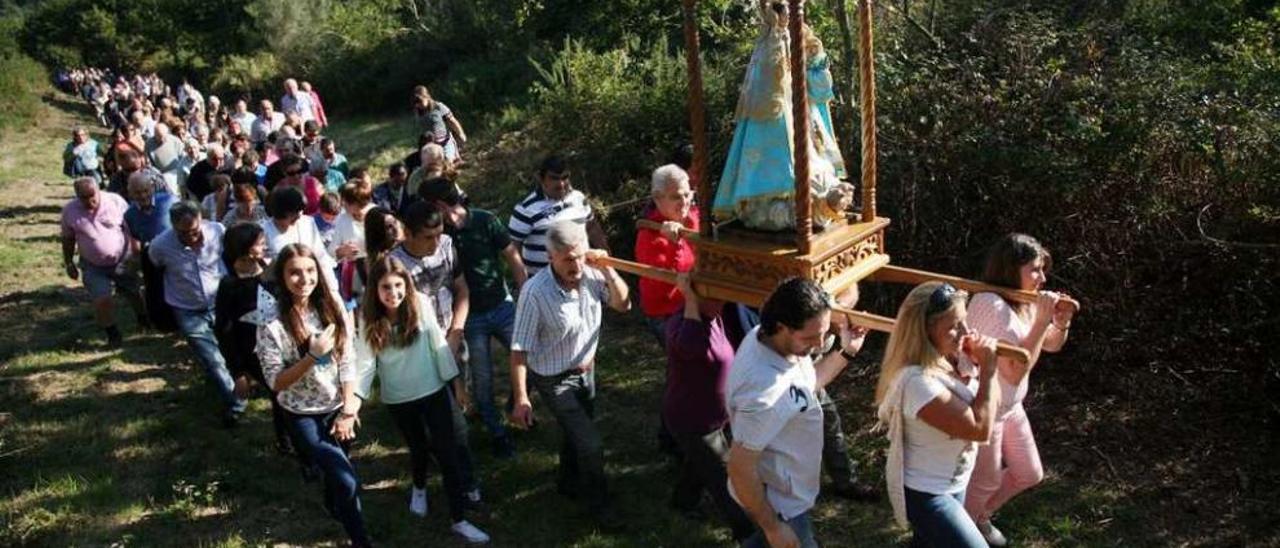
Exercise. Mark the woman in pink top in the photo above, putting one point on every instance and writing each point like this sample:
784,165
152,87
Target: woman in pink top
295,175
1010,463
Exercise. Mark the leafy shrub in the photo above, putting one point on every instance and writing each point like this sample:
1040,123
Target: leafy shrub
21,80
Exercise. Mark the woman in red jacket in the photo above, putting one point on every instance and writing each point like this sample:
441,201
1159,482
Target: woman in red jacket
673,210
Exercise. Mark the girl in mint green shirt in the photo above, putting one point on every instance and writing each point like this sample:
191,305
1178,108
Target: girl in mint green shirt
401,344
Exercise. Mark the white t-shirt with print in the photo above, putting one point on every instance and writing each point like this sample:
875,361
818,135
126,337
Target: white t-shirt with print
773,408
934,462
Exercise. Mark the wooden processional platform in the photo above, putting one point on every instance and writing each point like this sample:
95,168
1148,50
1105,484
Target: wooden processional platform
743,265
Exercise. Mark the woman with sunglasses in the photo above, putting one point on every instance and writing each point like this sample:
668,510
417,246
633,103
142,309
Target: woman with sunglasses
296,176
1010,464
936,416
308,359
400,342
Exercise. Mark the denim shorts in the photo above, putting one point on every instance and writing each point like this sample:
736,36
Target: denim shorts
99,279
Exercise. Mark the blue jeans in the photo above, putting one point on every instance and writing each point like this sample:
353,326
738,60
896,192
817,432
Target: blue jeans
197,327
800,524
341,486
480,330
940,520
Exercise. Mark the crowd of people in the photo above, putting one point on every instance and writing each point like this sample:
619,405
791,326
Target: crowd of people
290,273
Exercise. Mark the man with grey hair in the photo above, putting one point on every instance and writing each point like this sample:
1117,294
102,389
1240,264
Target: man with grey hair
267,121
296,101
93,222
557,329
83,156
165,151
190,254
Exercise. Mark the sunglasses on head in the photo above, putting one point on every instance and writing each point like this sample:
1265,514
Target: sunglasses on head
940,299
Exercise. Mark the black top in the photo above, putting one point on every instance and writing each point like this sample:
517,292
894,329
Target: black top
236,339
200,181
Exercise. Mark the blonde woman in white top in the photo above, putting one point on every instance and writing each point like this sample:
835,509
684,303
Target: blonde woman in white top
936,416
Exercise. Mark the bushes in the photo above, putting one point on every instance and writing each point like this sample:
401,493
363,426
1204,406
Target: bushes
21,81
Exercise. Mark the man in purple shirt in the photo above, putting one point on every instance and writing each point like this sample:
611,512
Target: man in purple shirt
94,223
698,359
190,254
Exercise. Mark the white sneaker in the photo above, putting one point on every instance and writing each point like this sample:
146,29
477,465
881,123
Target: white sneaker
470,533
993,536
418,502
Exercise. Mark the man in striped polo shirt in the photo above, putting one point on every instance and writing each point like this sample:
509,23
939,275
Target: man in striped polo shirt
557,329
553,200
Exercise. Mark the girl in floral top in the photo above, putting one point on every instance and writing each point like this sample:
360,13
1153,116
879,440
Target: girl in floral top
308,360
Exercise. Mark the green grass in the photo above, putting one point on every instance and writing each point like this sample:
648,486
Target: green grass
122,448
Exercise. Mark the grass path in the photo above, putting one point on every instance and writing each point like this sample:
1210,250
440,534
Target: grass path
122,448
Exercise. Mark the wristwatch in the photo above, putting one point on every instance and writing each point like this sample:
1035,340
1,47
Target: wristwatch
846,355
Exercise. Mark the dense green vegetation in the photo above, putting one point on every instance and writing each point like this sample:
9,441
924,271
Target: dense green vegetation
21,79
1136,138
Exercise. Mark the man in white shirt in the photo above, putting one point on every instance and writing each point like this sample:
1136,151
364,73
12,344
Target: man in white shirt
556,333
774,413
264,124
295,101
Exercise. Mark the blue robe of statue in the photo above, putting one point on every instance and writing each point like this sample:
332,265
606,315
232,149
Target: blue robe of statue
758,183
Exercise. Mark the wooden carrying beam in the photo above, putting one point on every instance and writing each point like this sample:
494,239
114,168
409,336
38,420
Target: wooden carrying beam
902,275
864,319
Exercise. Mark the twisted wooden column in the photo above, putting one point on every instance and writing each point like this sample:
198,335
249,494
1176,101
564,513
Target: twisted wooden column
697,117
800,121
867,90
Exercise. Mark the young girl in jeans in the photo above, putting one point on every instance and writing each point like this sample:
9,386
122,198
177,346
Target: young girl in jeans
400,342
1010,463
936,416
308,360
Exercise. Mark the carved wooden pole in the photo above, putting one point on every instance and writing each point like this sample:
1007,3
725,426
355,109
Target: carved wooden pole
800,121
867,90
697,117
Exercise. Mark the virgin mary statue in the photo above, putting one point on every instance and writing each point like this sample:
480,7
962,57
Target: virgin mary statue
758,183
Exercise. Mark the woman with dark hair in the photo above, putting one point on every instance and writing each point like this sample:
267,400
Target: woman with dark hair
382,231
936,414
308,359
1010,463
400,342
439,122
235,321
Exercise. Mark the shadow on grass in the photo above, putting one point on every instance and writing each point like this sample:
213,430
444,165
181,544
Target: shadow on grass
130,450
47,238
18,212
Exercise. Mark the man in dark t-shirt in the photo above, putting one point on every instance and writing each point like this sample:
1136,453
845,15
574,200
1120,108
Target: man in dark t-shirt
483,245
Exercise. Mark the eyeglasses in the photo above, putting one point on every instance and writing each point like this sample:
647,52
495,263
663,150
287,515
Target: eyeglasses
558,176
940,299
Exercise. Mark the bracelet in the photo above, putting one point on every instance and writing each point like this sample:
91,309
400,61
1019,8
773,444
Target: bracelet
846,355
1060,328
347,415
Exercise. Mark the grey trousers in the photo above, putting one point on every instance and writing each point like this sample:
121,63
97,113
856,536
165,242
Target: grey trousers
571,398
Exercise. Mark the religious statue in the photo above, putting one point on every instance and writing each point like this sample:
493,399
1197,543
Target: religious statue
758,183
